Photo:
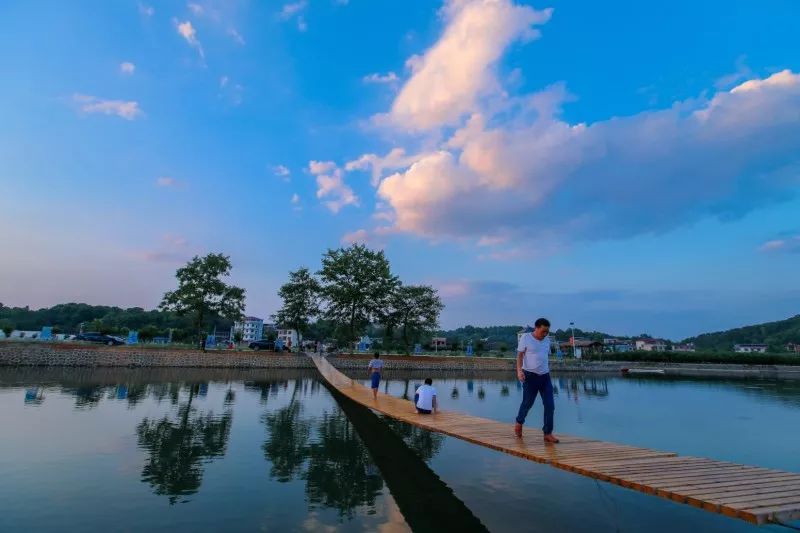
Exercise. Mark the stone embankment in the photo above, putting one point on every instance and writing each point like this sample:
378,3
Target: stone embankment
42,354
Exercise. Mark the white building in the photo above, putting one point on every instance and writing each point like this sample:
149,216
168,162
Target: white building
651,345
288,337
251,329
689,347
750,348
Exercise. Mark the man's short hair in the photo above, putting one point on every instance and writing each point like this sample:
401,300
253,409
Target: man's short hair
377,355
541,322
428,381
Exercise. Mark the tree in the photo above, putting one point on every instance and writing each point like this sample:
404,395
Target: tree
6,326
357,285
202,294
416,310
237,336
300,297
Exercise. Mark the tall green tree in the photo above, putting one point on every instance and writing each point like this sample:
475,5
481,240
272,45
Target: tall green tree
357,286
300,297
416,310
202,293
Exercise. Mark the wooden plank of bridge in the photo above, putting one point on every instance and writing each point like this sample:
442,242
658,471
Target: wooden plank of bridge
757,495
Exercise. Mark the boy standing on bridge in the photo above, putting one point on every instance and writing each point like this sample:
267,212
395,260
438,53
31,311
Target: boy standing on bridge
533,370
375,367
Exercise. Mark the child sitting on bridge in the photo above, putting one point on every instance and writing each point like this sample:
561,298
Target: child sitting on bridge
425,398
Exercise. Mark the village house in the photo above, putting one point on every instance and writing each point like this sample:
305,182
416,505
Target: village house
651,345
750,348
689,347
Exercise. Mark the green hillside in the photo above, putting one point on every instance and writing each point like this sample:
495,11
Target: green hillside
775,334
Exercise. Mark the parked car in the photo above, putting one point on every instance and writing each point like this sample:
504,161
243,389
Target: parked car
99,338
262,345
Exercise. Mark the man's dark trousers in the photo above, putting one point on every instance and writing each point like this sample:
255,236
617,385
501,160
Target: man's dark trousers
537,384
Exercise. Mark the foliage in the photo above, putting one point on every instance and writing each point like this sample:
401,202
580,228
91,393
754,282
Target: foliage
357,285
774,334
702,357
415,308
67,318
300,296
201,292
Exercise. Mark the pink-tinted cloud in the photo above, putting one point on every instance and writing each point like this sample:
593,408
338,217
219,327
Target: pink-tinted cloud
129,110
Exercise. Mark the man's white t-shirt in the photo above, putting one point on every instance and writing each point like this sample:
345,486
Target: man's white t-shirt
377,364
536,353
426,394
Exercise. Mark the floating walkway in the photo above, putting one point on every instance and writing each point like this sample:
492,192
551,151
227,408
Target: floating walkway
757,495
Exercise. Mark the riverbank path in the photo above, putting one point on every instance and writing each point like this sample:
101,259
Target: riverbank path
757,495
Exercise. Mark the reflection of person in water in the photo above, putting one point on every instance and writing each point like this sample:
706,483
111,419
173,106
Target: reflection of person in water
425,398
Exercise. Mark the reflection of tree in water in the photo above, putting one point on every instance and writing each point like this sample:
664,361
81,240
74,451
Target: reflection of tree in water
339,473
178,447
286,447
87,396
335,466
426,444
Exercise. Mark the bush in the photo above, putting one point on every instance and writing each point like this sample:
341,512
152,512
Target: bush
702,357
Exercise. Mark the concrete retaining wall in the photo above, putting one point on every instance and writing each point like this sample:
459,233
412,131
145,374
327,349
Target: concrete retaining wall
79,355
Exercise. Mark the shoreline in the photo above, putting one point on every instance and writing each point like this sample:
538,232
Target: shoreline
17,354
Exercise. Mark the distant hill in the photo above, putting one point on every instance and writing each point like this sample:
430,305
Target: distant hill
775,334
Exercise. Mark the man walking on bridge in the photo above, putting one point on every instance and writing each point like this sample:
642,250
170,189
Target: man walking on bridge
533,370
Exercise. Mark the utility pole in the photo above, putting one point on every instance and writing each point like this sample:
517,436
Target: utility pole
572,337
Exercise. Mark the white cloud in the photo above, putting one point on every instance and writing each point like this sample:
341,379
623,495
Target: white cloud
290,10
196,9
146,10
129,110
236,36
223,81
168,182
295,198
127,67
282,172
389,77
789,244
295,10
331,186
508,168
395,159
188,32
450,78
360,236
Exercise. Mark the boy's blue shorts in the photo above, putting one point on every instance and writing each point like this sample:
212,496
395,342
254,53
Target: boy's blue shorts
376,379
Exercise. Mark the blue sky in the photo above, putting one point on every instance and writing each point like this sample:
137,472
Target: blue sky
630,167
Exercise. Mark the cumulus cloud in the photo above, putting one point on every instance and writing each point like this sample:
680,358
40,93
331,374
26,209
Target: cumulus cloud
127,67
450,78
507,167
129,110
331,186
189,33
389,77
281,171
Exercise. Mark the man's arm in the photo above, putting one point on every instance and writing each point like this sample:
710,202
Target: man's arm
433,403
520,373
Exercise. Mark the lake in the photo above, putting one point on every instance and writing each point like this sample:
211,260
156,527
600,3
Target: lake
213,450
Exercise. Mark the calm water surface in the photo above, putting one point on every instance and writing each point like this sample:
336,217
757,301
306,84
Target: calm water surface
214,450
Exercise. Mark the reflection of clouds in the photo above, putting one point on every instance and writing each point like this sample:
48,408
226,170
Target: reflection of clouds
312,523
394,518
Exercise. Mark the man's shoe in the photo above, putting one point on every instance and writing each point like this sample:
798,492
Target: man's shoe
518,429
551,438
